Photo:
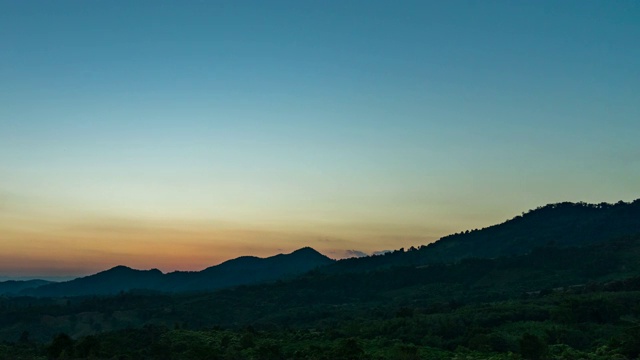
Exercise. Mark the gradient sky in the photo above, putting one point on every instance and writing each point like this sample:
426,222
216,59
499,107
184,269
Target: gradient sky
178,134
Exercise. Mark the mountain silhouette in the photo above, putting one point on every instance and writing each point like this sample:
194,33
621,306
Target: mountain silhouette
561,225
112,281
241,271
12,287
248,270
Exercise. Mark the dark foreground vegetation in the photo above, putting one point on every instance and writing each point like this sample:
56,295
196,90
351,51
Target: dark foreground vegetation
559,300
598,322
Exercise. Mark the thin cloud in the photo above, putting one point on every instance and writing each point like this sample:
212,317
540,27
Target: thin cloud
355,253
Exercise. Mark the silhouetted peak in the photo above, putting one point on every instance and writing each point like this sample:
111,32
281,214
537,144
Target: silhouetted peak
247,263
239,260
306,251
119,268
122,269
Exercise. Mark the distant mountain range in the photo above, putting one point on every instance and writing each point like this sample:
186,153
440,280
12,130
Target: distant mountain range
14,287
241,271
559,225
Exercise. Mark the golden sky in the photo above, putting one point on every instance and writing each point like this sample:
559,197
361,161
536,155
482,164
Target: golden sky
182,135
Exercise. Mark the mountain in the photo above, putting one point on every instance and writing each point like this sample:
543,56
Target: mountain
562,225
248,270
241,271
112,281
11,287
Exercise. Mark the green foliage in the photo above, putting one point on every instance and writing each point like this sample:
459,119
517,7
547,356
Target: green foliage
496,330
532,347
61,347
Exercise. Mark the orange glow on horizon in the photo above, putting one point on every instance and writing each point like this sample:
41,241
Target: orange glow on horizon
79,248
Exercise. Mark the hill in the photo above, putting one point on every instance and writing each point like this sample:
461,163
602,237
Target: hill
240,271
561,225
12,287
248,270
112,281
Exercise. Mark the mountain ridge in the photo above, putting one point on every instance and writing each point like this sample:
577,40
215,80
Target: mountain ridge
563,224
232,272
13,287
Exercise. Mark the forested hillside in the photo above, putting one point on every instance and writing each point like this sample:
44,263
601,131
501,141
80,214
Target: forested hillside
561,225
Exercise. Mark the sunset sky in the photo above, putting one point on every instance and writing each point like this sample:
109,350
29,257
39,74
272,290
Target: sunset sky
179,134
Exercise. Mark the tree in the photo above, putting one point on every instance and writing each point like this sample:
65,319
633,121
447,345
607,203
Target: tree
24,338
532,347
61,343
87,346
349,349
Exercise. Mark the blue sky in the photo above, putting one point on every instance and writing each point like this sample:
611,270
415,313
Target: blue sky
259,127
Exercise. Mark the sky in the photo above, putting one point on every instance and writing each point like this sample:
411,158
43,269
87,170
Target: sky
178,134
